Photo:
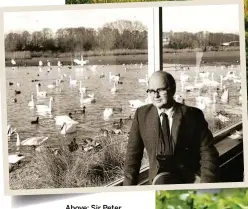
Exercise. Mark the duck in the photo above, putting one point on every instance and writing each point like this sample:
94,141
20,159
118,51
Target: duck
118,125
32,141
40,93
104,132
35,121
73,146
31,103
68,128
61,119
17,92
117,109
14,100
45,108
11,83
80,111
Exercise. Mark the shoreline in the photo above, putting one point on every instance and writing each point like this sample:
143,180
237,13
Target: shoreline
208,58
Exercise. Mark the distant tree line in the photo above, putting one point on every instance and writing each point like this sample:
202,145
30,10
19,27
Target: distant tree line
121,34
115,35
182,40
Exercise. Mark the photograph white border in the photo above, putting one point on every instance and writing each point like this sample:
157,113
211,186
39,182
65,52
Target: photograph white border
8,191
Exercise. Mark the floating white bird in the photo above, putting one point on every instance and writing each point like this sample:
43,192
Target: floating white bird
82,89
40,93
72,82
61,119
13,159
68,128
136,103
40,63
225,96
115,78
143,80
114,89
31,103
13,62
36,141
59,64
10,131
45,108
81,62
107,112
87,99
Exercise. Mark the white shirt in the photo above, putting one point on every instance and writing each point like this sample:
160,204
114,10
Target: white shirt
169,113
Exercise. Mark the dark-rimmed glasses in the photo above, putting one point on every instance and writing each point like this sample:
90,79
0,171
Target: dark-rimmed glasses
159,91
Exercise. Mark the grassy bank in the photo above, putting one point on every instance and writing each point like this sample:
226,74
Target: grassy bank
181,57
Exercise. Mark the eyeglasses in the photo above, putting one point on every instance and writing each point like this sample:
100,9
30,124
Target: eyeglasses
161,91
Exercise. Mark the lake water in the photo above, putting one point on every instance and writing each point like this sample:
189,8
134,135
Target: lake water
20,115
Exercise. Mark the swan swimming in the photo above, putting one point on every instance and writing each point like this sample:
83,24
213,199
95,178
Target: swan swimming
40,93
36,141
68,128
45,108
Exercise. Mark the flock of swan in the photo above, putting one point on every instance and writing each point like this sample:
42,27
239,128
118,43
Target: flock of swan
219,91
65,122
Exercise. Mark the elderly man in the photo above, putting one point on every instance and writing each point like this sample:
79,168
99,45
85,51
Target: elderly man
176,137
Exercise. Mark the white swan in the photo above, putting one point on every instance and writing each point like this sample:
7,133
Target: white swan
40,93
10,131
108,112
225,96
82,89
68,128
45,108
61,119
143,80
87,99
201,104
136,103
72,82
52,86
13,62
114,77
31,103
36,141
184,77
13,159
81,62
40,63
114,89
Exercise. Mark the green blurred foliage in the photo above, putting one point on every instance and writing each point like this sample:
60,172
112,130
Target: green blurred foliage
236,198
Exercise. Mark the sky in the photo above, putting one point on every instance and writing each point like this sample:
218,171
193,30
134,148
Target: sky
212,18
32,21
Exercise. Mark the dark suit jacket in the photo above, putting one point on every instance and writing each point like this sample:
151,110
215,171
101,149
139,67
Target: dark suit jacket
194,149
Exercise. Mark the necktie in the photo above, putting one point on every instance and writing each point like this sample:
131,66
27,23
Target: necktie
166,135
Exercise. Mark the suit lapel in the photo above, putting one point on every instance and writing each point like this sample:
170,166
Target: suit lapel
177,119
153,125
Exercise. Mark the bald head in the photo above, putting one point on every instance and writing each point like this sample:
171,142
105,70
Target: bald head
162,79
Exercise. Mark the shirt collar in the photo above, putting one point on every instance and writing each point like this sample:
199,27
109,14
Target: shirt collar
168,112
